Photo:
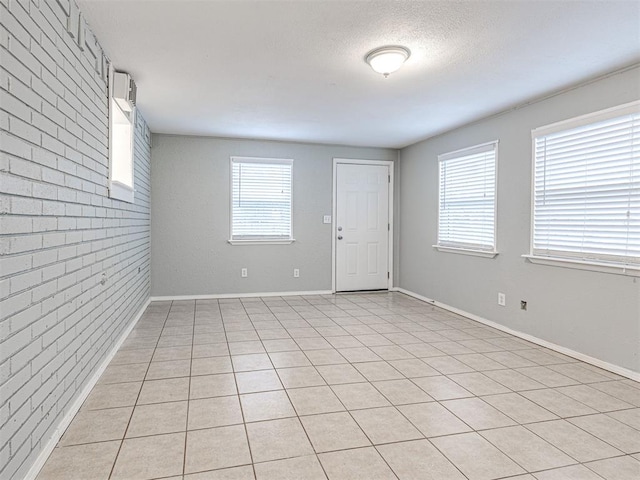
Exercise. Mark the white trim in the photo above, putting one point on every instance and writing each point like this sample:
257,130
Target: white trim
480,148
594,266
625,372
50,444
353,161
607,113
265,241
214,296
466,251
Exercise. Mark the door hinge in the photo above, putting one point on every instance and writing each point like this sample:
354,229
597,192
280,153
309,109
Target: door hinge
388,227
389,178
388,275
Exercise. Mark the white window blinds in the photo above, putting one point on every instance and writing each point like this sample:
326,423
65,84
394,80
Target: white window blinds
261,198
467,211
586,199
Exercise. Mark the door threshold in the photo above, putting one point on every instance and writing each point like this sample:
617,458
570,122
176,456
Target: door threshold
378,290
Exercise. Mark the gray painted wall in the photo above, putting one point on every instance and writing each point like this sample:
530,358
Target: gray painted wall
190,217
59,229
593,313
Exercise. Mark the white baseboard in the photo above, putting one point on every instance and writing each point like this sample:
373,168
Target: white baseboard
238,295
625,372
75,406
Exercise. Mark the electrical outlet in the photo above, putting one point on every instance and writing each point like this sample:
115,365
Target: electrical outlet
243,273
502,299
523,304
296,273
326,219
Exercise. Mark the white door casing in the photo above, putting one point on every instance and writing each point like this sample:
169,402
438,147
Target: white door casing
362,225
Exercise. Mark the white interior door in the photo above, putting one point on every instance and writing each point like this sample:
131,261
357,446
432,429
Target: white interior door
362,227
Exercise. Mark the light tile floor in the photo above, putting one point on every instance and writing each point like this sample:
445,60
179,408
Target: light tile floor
359,386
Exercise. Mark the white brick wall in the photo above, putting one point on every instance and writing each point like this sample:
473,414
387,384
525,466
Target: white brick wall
59,230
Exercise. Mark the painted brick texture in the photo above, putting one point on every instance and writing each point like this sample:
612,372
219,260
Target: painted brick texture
61,236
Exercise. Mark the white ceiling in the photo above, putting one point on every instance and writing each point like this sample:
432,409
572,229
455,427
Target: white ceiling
295,70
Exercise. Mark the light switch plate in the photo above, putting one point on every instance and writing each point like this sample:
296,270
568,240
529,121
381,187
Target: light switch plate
326,219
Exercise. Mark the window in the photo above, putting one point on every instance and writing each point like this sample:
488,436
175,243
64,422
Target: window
121,129
261,200
586,195
467,204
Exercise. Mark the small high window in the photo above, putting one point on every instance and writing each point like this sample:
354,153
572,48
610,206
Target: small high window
121,137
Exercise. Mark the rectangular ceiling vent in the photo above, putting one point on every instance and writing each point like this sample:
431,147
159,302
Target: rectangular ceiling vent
124,91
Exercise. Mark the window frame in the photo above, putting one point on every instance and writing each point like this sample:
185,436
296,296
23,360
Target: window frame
478,252
118,190
258,240
574,261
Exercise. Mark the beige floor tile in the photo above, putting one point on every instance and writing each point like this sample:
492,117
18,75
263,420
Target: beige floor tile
376,371
581,445
519,408
514,380
620,468
392,352
547,377
254,361
124,373
326,356
307,468
258,381
359,354
172,353
297,377
280,345
211,365
212,386
527,449
214,412
447,365
233,473
242,348
160,391
81,462
510,359
216,448
478,414
278,439
476,457
422,350
401,392
244,335
610,430
345,341
558,403
333,431
266,406
169,369
314,400
112,396
310,344
338,374
479,362
158,418
413,368
126,357
573,472
210,350
359,395
150,457
593,398
385,425
358,464
90,426
621,390
289,359
441,388
630,417
418,460
577,372
478,384
433,420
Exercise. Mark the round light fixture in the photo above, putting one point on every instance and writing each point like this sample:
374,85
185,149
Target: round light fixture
386,60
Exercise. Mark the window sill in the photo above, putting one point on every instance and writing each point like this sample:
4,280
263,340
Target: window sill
466,251
617,269
120,191
262,242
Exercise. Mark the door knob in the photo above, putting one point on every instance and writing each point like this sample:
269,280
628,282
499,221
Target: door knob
339,229
339,237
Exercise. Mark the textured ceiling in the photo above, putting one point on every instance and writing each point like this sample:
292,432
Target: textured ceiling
295,70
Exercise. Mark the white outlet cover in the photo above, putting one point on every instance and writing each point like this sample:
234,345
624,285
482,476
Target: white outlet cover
502,299
326,219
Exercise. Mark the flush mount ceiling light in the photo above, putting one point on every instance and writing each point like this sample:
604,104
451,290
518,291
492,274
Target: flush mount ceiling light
386,60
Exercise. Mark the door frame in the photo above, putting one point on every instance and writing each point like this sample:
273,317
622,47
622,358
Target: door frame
353,161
